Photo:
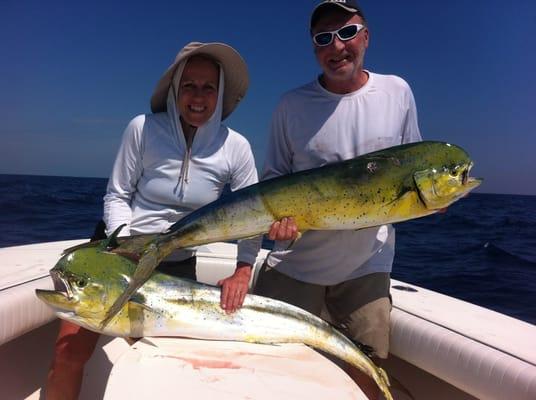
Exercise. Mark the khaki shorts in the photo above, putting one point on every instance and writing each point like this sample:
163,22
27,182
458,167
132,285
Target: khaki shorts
360,308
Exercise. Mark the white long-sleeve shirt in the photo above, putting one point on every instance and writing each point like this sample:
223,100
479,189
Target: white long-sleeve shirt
156,180
312,127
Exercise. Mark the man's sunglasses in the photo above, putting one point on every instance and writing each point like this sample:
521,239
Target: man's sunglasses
347,32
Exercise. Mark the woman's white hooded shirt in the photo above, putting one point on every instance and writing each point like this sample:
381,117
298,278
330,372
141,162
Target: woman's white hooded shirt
156,179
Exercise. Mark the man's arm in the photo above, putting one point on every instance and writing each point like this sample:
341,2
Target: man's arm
278,159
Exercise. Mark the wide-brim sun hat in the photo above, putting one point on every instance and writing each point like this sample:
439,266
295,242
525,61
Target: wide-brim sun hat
235,72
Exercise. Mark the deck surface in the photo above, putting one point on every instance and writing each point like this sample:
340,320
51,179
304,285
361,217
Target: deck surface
189,368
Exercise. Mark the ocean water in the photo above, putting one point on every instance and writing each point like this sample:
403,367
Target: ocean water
482,250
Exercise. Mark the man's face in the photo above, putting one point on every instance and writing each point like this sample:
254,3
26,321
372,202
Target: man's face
341,61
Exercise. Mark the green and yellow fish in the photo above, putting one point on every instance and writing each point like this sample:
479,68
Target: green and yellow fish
90,279
391,185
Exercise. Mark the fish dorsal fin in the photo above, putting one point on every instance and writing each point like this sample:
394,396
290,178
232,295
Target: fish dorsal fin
111,241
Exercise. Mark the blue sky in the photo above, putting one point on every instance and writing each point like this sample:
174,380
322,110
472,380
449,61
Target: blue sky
74,73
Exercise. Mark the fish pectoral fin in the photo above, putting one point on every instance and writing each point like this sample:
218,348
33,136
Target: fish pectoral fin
138,313
407,203
138,300
134,306
146,266
424,180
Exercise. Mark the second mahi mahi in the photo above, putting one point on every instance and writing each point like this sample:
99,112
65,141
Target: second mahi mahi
89,279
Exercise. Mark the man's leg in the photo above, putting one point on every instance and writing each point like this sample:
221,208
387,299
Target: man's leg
370,326
368,323
276,285
74,346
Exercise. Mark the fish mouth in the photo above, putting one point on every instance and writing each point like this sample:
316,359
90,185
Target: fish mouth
62,297
465,175
62,285
470,181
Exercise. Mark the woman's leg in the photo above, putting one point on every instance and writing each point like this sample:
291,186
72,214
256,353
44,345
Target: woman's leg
74,346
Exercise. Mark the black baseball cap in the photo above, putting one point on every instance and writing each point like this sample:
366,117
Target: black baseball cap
347,5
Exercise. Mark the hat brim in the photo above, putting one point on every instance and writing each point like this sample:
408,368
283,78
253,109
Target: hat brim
235,72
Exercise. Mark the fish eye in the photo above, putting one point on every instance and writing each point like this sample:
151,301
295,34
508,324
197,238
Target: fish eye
81,282
455,170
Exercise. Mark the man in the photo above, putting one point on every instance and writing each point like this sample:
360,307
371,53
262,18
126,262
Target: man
347,111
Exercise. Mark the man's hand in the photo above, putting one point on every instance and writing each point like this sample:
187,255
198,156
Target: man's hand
286,229
235,287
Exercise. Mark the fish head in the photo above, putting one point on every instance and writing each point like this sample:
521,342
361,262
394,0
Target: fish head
446,178
87,281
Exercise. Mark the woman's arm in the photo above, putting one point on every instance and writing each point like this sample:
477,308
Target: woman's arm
125,174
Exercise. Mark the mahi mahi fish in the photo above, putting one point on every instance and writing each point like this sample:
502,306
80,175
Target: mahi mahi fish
89,279
387,186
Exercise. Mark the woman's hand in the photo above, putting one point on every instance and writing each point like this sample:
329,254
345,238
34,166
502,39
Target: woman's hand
286,229
235,287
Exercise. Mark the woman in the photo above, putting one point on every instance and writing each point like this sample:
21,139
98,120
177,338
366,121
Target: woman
181,157
170,163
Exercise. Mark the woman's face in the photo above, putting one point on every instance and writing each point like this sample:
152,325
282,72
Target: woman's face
198,91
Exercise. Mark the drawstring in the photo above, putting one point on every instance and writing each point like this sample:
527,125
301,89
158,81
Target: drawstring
185,166
183,177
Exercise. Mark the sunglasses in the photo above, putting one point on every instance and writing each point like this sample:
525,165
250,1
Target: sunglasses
345,33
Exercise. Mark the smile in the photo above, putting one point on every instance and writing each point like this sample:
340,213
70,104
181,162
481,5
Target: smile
197,109
340,60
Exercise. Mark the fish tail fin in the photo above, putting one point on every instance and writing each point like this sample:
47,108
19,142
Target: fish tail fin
382,380
384,377
146,265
